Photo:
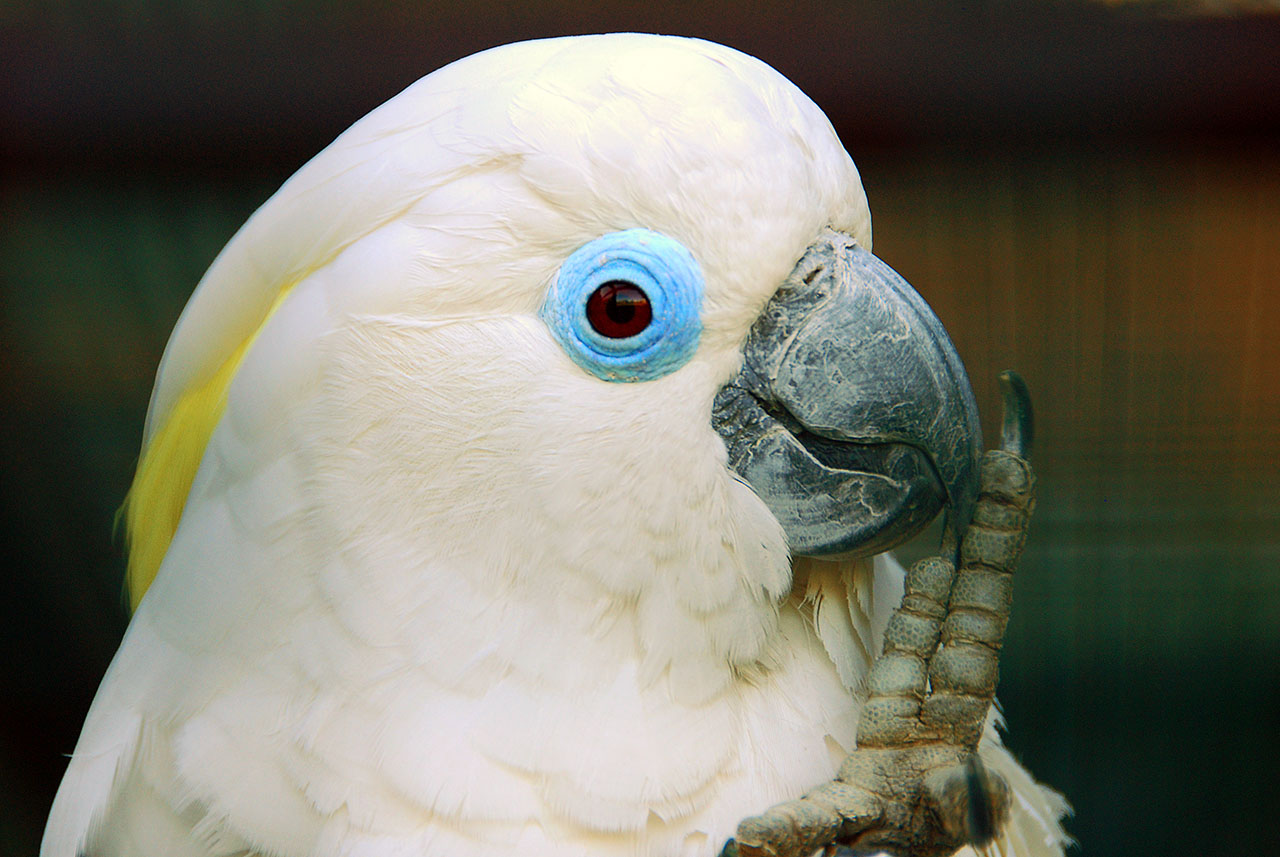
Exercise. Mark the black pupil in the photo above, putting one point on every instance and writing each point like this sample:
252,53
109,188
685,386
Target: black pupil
621,306
619,309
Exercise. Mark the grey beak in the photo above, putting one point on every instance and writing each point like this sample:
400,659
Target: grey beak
852,417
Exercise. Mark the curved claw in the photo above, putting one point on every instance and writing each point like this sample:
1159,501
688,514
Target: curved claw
970,800
1017,425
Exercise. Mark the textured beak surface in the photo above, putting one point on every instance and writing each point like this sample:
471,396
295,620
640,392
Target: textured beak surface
852,417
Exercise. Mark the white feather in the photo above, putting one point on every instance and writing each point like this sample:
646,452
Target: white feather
435,589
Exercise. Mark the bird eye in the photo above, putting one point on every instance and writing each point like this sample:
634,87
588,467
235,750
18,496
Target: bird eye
619,309
626,306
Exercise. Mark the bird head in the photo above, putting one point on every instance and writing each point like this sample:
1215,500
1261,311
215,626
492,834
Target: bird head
592,302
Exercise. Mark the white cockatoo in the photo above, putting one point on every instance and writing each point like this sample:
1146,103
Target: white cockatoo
512,479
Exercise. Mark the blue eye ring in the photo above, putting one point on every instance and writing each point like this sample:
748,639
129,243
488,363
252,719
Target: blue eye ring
665,273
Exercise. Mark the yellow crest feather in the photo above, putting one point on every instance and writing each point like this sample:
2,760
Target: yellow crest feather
167,467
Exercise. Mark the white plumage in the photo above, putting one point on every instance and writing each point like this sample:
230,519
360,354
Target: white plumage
436,590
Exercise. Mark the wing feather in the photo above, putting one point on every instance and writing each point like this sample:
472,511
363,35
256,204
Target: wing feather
105,750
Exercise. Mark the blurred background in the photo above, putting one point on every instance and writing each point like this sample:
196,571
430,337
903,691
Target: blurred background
1088,192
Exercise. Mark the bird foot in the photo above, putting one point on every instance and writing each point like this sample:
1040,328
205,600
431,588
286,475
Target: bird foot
915,785
920,801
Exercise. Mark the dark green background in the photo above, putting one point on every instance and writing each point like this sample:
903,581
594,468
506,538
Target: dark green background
1087,193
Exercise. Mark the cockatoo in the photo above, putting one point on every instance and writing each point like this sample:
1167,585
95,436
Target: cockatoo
518,480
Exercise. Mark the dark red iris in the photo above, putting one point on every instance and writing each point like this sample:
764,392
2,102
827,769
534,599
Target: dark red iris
619,309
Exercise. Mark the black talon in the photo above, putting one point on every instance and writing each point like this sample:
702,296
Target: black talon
1017,427
981,815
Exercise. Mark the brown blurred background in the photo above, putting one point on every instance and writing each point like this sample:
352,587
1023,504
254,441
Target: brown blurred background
1087,192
